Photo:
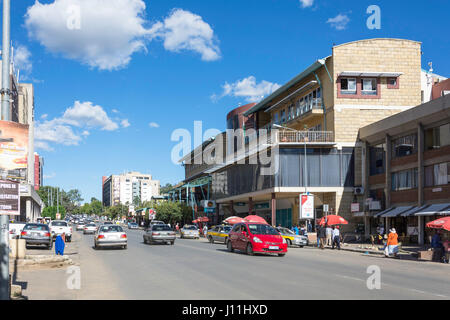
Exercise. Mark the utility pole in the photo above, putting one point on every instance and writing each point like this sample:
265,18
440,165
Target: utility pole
6,116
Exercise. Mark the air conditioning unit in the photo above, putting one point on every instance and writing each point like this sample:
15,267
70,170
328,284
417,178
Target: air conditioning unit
358,191
211,204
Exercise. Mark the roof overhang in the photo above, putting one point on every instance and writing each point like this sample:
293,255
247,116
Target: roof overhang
263,104
370,74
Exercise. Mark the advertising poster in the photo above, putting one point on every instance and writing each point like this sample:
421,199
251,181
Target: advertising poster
13,150
306,206
9,198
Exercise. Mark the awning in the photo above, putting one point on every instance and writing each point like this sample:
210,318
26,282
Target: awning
397,211
383,212
413,210
373,74
440,209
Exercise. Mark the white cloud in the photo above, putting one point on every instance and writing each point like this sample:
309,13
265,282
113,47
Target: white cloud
71,127
49,176
153,125
183,30
115,111
111,31
306,3
125,123
22,60
339,22
44,116
248,88
86,114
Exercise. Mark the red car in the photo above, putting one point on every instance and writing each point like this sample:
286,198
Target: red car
256,238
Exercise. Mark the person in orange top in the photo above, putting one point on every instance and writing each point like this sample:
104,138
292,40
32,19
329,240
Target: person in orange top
392,243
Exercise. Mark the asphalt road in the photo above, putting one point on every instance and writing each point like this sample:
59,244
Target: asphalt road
198,270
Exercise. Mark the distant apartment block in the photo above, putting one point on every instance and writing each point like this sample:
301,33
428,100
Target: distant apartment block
125,188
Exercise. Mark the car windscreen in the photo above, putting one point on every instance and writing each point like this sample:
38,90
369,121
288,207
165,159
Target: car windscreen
190,228
59,224
227,229
263,229
160,227
91,225
106,229
286,231
36,227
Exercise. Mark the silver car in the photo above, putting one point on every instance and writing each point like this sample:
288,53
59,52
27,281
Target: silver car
189,231
110,236
161,233
80,226
90,228
37,234
293,239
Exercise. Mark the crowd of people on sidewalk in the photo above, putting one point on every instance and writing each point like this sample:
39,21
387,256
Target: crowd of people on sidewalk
328,236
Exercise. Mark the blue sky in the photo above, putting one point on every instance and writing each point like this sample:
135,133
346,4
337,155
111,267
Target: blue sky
99,87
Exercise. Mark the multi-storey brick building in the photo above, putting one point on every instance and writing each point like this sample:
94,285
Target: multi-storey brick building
407,169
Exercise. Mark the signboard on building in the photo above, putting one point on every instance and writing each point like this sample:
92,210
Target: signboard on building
13,150
375,205
355,207
9,198
306,206
326,208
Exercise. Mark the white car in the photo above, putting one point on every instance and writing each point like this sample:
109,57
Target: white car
58,227
90,228
189,231
15,229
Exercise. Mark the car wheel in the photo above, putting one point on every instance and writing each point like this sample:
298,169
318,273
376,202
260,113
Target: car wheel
145,241
69,239
230,246
210,239
250,250
181,236
281,254
172,242
289,242
301,246
125,247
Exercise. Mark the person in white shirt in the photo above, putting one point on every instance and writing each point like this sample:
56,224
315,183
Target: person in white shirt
329,233
336,237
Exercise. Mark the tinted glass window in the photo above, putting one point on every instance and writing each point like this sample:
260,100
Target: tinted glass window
36,227
59,224
160,227
263,229
106,229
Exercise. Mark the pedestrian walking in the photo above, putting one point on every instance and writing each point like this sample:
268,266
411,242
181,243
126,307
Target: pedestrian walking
177,227
392,243
59,245
437,247
329,236
296,230
318,236
322,236
336,234
205,231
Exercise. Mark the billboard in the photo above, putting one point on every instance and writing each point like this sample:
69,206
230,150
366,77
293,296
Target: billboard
13,150
9,198
306,206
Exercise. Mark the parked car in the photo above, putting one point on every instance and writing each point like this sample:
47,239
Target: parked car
133,225
110,236
256,238
293,239
90,228
58,227
218,233
80,226
189,231
15,229
156,222
37,234
159,233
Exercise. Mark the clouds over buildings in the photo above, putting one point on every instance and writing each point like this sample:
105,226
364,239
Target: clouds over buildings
73,125
105,34
247,88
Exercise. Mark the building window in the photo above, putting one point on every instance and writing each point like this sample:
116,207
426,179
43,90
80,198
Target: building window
437,175
283,116
392,83
290,113
438,137
404,146
404,180
369,87
377,156
348,86
277,120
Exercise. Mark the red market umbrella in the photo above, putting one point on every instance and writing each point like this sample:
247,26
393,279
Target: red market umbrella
441,223
255,219
203,219
195,221
234,220
332,220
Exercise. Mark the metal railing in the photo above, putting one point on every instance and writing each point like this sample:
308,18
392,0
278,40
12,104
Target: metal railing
285,136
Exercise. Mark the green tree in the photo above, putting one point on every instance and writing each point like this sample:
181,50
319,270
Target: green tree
51,212
166,188
169,212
